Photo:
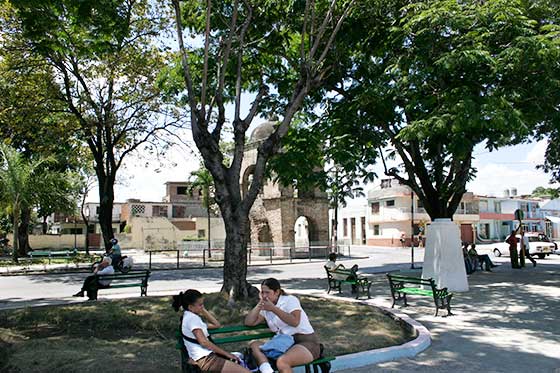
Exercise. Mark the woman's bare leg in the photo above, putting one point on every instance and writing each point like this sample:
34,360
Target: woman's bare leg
257,353
296,355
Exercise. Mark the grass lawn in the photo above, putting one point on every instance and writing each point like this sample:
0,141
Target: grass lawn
138,335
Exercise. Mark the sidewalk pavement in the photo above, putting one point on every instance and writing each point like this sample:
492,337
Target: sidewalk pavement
509,321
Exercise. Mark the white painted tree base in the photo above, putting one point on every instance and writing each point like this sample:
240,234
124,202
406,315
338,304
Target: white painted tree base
443,258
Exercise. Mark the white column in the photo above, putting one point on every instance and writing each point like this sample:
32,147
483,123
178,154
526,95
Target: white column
443,258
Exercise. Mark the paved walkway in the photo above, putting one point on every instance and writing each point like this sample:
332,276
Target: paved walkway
509,321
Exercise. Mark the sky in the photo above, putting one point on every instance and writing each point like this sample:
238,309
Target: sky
510,167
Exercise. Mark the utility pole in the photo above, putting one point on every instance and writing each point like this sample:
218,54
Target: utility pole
75,240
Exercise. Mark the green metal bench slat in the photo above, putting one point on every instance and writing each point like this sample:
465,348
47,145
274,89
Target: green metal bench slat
236,328
241,338
416,291
320,360
123,286
123,276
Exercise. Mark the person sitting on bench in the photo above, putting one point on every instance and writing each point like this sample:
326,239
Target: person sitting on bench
104,268
469,267
331,265
284,316
484,258
205,354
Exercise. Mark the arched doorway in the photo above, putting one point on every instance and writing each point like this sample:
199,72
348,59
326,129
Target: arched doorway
301,233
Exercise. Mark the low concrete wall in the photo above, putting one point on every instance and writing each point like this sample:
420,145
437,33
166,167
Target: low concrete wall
54,241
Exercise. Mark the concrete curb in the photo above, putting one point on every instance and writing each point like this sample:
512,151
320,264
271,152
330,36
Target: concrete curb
409,349
364,358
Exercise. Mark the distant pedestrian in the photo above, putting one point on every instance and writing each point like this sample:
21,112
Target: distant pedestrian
403,240
526,249
512,242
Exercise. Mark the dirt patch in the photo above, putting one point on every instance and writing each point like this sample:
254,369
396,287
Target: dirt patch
139,334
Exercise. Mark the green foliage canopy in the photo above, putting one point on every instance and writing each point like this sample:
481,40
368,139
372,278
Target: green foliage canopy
437,78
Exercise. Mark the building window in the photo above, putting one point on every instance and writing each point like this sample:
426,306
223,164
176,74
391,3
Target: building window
136,210
97,210
178,211
483,205
391,202
385,183
201,233
484,230
182,190
159,211
344,227
375,208
498,207
376,230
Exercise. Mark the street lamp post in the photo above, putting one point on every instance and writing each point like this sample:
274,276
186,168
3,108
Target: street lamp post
75,229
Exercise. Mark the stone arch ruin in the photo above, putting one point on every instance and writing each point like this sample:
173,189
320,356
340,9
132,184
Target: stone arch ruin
276,209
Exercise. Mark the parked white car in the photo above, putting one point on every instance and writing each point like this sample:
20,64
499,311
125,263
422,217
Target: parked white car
539,245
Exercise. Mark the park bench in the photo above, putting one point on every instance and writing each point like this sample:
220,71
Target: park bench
41,254
122,280
242,333
340,275
403,285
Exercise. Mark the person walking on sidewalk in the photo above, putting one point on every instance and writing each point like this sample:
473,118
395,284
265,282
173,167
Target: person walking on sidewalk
525,239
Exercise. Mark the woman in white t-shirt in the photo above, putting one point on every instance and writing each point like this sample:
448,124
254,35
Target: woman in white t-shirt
205,354
284,315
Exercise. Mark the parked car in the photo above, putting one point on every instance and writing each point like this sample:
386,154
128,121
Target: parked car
539,245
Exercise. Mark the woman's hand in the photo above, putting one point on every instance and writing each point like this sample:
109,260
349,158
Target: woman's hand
203,311
266,305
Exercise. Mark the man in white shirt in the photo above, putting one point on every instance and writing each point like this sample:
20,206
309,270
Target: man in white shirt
91,283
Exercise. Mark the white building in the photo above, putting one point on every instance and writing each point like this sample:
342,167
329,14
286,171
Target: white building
394,210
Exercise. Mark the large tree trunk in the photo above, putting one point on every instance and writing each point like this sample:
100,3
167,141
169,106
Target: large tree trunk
335,226
15,251
106,199
23,232
438,207
209,239
235,261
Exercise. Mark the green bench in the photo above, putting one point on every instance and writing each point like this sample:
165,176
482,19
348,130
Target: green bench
122,280
242,333
340,275
401,286
42,254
